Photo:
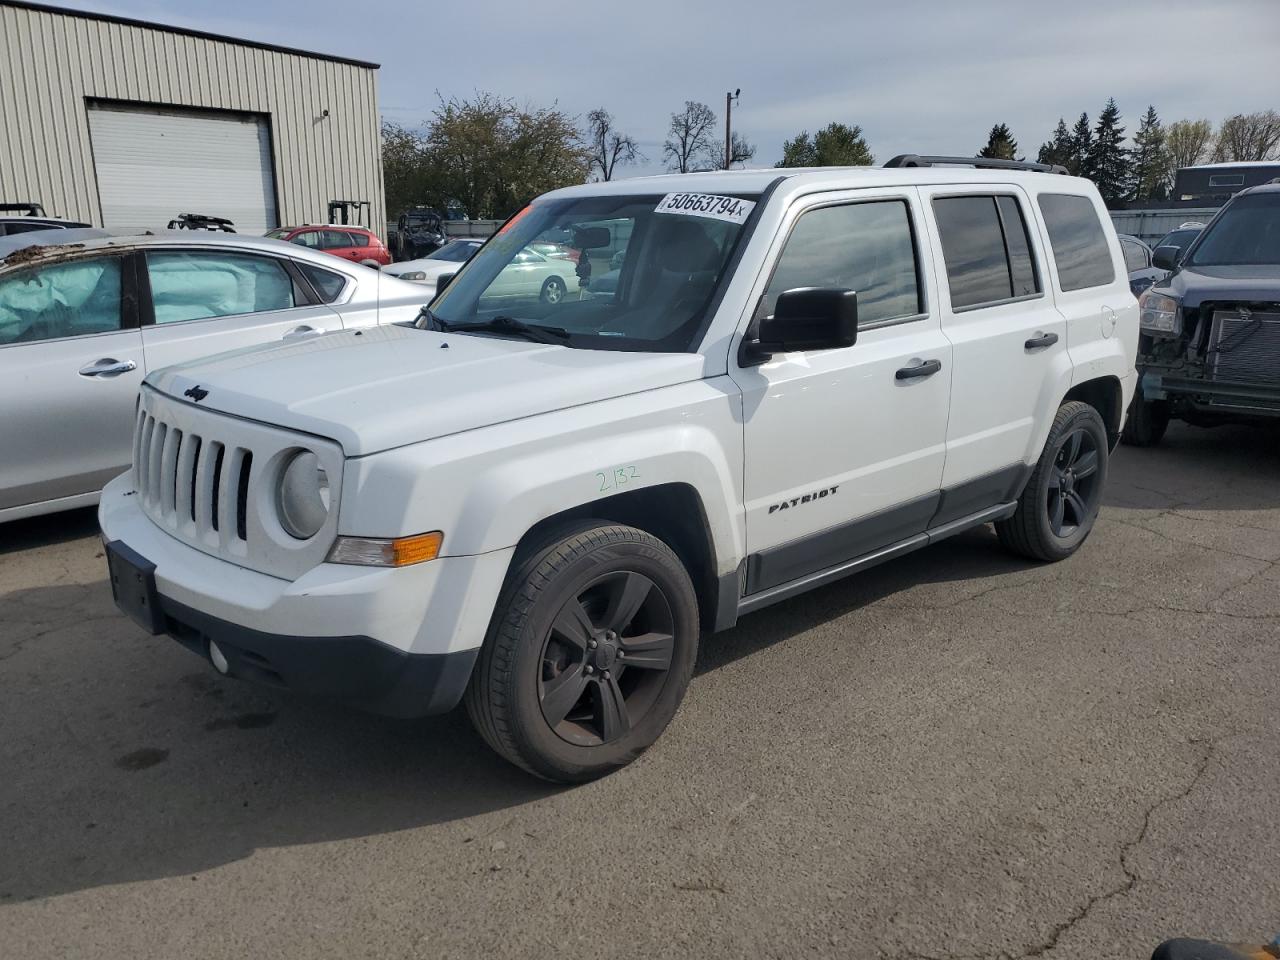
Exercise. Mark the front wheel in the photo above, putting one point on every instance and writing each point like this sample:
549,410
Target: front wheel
553,290
1060,503
1147,421
589,654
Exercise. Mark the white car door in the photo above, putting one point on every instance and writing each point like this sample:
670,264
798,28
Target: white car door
206,301
71,362
1007,334
845,447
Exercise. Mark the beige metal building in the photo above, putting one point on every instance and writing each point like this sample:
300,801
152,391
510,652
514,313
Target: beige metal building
126,124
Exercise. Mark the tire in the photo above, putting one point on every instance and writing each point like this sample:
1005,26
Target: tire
1060,502
547,684
553,290
1147,421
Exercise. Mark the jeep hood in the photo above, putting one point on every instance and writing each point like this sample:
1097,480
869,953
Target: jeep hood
1196,284
385,387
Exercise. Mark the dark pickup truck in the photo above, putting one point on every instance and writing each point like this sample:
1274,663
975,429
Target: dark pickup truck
1209,352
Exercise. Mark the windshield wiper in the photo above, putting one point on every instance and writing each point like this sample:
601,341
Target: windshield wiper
504,324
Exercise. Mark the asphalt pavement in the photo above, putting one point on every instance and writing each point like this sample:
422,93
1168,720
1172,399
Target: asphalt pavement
956,755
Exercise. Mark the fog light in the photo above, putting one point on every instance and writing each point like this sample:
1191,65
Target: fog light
219,658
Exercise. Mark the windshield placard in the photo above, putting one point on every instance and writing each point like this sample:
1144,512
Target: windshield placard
729,209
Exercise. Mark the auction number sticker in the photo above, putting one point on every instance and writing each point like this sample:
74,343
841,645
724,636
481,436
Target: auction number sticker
706,205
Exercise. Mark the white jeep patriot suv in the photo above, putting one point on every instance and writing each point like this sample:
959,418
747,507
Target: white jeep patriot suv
537,496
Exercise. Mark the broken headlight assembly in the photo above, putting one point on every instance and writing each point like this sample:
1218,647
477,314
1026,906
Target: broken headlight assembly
1159,314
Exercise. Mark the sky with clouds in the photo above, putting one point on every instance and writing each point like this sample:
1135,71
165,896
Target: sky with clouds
920,76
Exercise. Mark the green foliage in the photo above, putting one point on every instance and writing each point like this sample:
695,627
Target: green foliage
835,145
1108,159
1188,142
487,154
1060,149
1000,144
1150,159
1081,148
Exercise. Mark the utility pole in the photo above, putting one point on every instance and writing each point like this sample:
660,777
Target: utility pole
729,99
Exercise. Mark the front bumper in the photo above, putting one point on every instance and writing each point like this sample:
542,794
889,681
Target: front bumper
1213,396
399,642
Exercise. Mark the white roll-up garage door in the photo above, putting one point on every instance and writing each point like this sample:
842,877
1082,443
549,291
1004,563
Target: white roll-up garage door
154,164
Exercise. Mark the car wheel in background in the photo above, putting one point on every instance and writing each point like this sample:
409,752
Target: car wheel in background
553,290
1147,421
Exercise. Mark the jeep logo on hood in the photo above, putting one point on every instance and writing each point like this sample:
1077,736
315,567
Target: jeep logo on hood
196,393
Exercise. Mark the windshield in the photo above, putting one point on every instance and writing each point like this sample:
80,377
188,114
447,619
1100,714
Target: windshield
455,251
1247,232
611,272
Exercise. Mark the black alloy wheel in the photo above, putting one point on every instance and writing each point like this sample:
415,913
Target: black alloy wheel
605,658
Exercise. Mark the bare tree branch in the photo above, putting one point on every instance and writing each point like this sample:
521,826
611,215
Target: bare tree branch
689,139
609,147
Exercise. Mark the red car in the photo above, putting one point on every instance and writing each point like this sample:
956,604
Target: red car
349,243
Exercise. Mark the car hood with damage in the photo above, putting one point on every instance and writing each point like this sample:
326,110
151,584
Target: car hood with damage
385,387
1250,283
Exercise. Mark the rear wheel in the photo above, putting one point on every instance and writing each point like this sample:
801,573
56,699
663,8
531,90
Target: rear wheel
589,654
1060,503
1147,421
553,290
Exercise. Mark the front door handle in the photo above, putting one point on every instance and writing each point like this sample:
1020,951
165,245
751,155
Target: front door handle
1043,340
925,368
298,333
107,367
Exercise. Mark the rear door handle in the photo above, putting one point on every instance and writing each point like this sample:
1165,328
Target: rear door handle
925,368
298,333
107,367
1044,340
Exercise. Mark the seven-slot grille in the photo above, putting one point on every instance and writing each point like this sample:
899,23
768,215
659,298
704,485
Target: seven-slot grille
1246,347
210,480
189,481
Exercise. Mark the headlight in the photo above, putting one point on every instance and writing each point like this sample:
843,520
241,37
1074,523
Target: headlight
413,275
303,497
1159,314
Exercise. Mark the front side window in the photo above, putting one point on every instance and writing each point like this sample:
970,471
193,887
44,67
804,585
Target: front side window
60,300
1079,246
865,247
1247,233
678,246
986,249
197,285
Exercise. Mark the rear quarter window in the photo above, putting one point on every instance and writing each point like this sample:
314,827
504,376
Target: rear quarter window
1079,244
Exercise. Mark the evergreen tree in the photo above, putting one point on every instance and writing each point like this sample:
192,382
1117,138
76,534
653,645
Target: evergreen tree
1081,148
1150,159
835,145
1108,160
1000,144
1059,149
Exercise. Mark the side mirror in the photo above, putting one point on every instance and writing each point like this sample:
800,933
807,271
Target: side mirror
806,318
1166,257
444,280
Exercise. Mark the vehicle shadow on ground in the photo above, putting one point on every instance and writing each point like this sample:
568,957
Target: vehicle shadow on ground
125,758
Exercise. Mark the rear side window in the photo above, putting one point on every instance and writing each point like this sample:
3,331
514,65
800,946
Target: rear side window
986,249
60,300
1135,258
867,247
1079,246
329,285
195,285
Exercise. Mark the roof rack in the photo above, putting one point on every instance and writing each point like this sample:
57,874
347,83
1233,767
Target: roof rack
981,163
25,209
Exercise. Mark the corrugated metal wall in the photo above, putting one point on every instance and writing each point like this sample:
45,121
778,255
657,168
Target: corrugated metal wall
54,64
